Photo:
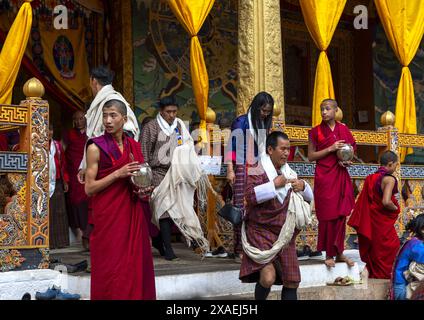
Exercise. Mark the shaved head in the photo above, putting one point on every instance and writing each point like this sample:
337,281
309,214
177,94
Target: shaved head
120,106
78,114
330,101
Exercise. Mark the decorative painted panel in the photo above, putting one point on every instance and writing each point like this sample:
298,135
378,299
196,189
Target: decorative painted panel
24,222
13,162
39,197
363,137
14,217
13,115
411,140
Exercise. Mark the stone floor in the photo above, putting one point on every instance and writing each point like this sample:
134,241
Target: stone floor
217,278
190,262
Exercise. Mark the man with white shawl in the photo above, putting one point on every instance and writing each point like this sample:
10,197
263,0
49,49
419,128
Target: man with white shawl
101,85
169,150
277,208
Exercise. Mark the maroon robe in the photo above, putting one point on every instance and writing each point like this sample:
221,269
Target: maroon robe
378,240
77,199
75,142
333,189
3,142
263,225
121,257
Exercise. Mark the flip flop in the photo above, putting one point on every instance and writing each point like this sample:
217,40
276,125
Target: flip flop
343,282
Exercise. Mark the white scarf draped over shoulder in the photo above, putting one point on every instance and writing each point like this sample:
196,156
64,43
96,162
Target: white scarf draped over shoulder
169,129
261,140
94,114
175,194
298,213
94,118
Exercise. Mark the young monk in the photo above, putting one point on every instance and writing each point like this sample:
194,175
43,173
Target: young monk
333,188
374,216
121,258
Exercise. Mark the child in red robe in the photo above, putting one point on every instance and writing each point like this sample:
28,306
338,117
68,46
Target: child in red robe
121,257
333,188
374,216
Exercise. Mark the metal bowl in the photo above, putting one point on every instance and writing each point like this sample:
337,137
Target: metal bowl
143,178
345,153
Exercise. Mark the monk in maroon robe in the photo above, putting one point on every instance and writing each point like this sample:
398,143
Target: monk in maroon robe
75,140
374,216
121,257
333,188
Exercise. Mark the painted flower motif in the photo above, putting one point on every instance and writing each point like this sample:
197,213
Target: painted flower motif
10,260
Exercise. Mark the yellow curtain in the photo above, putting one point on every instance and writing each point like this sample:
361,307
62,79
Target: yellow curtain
321,18
192,14
13,50
403,22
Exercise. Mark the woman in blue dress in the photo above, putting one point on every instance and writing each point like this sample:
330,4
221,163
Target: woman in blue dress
246,144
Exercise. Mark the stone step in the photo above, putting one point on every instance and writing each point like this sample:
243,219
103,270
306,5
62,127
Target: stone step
189,278
373,289
222,283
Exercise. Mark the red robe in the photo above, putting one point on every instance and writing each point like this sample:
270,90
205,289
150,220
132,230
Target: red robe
75,142
378,240
121,257
60,162
333,189
3,142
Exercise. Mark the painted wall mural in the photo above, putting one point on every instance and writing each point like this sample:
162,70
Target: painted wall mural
161,58
387,71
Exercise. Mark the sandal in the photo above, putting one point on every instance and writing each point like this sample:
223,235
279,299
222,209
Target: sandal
340,281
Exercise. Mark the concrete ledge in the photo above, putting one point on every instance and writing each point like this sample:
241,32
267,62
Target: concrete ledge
14,284
212,284
197,285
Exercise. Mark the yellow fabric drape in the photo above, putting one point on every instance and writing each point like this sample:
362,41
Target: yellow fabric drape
13,50
65,56
192,14
321,18
403,22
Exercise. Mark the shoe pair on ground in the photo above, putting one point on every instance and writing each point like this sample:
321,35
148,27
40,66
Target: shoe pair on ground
306,253
55,293
218,253
71,268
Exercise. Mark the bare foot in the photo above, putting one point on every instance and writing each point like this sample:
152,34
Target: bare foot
343,258
329,262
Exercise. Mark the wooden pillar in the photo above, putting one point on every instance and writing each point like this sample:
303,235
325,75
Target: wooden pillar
35,141
388,121
260,58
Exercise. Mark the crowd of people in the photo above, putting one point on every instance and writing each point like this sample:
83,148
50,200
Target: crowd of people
91,192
